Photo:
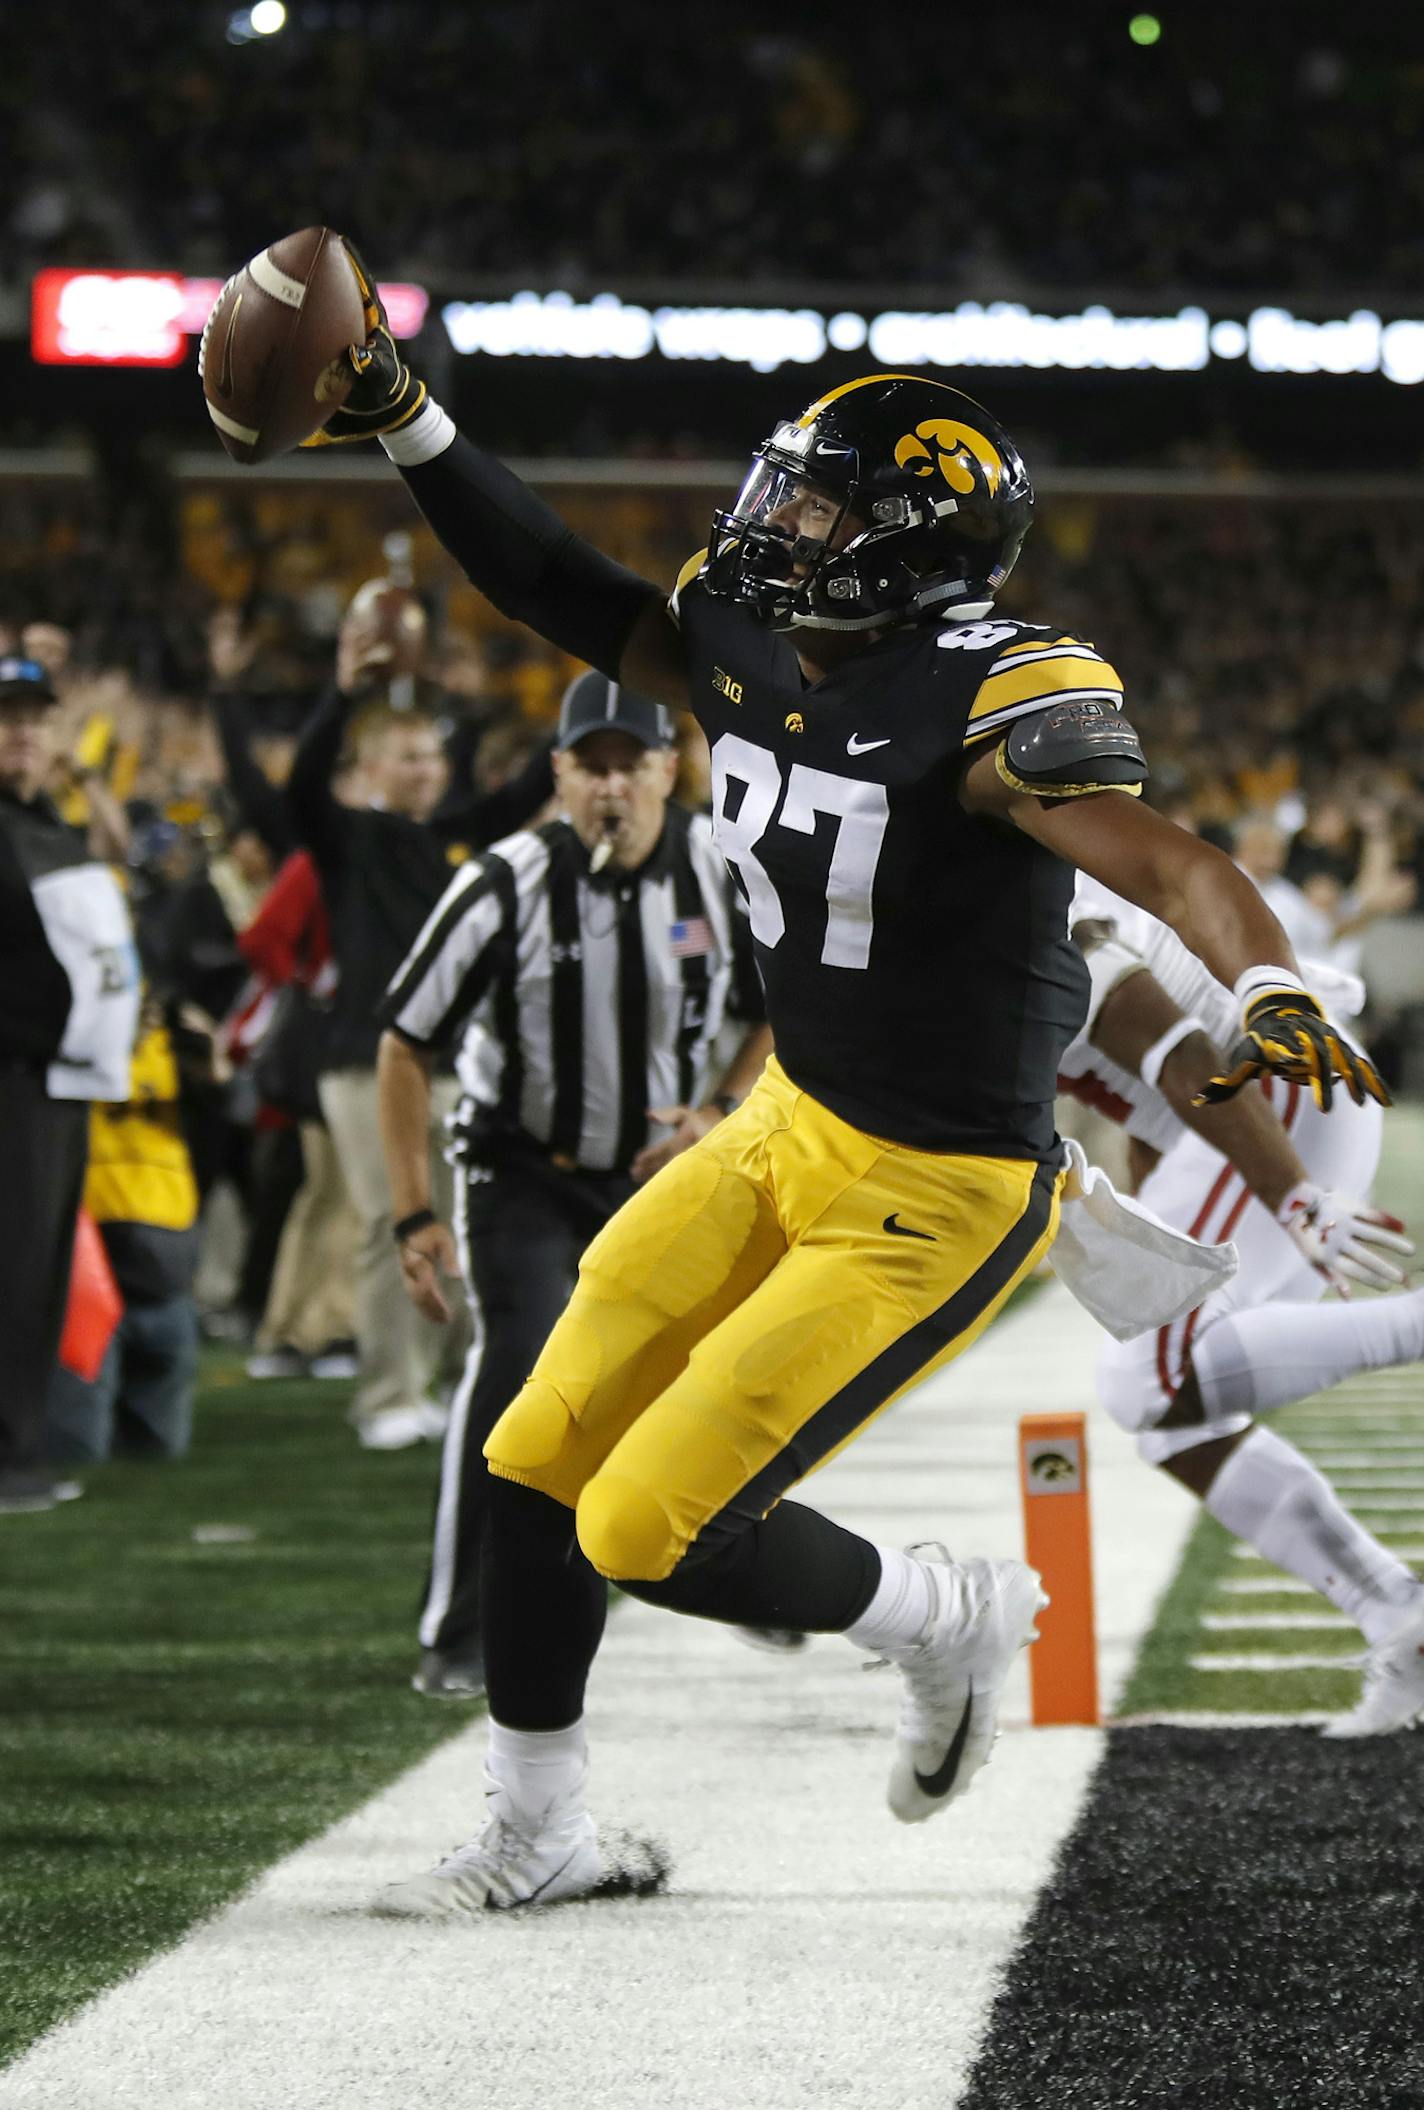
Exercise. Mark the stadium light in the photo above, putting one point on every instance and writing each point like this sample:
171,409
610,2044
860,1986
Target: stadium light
263,19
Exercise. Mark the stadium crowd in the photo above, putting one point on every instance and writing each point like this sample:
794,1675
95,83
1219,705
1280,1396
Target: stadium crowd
1241,150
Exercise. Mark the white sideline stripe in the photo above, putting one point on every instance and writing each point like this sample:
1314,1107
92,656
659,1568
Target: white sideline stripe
1275,1663
231,427
767,1777
1323,1621
272,280
1266,1585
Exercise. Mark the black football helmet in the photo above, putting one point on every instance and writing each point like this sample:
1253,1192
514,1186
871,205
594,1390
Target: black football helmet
936,492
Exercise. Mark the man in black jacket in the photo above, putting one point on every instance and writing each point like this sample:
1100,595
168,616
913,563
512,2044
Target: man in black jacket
70,976
383,867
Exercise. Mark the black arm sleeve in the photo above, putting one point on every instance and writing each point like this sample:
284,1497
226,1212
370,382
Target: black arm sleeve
523,558
483,817
262,807
322,824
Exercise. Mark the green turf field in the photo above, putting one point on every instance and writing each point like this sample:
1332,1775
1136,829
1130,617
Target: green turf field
202,1665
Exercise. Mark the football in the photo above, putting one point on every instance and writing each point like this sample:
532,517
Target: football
268,349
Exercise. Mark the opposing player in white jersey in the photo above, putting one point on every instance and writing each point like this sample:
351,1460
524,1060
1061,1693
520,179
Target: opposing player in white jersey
1272,1172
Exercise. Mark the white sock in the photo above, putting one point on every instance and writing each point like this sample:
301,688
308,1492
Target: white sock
537,1767
1250,1361
1274,1499
899,1612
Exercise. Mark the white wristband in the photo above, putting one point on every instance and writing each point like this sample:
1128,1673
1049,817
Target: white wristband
422,439
1257,980
1150,1067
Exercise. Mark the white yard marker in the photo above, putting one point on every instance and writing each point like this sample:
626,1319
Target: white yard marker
1370,1462
1408,1550
1270,1663
1220,1718
1324,1621
1370,1482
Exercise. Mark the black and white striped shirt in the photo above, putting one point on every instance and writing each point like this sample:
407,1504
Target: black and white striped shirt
580,1002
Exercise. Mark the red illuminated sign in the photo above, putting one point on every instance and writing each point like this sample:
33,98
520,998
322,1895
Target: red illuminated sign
145,318
107,318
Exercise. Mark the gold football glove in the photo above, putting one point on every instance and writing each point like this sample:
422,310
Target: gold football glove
1286,1034
384,393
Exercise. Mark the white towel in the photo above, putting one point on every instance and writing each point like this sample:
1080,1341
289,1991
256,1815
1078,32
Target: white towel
1122,1263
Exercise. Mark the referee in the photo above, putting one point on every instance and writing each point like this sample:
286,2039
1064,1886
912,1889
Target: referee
587,966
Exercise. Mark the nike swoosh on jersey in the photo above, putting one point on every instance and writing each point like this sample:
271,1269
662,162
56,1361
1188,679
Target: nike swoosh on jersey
941,1780
893,1223
856,746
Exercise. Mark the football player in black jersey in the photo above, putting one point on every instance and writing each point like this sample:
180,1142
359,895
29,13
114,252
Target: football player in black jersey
903,784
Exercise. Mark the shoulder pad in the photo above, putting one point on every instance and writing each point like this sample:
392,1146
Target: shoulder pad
1072,748
1030,670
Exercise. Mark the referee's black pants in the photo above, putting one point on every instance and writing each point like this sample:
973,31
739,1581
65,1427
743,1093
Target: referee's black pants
44,1147
522,1225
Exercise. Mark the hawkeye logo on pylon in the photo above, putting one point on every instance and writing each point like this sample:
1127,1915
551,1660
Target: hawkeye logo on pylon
1054,1468
957,447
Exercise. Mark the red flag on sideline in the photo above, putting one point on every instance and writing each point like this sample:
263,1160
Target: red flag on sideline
95,1303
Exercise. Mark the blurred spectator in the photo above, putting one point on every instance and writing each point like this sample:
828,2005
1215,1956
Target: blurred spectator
70,976
310,1313
141,1192
382,869
1321,917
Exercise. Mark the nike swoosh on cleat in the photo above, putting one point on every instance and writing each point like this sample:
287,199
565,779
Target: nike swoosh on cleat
939,1783
856,746
893,1223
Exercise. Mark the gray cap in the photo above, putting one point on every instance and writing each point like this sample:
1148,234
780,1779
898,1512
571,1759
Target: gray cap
594,704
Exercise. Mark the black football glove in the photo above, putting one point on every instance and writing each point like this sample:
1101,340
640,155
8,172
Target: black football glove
1286,1034
384,394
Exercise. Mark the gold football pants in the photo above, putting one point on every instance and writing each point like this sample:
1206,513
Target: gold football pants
761,1299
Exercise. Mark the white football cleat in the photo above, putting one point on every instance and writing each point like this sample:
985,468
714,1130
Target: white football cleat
984,1612
528,1860
398,1428
1393,1696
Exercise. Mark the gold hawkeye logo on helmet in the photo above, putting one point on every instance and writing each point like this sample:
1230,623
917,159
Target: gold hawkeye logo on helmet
952,442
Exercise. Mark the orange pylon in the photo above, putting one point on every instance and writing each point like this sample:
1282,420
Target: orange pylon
1053,1474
